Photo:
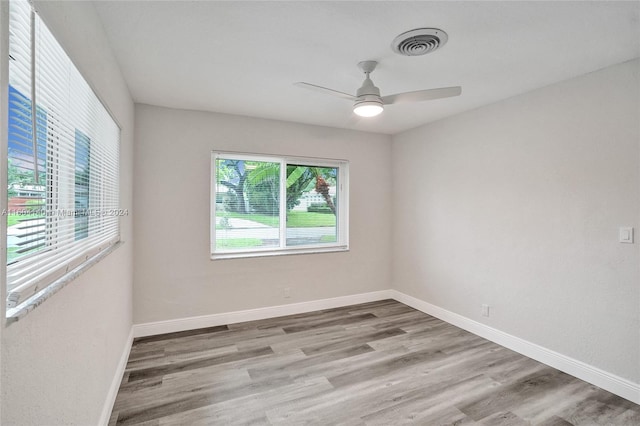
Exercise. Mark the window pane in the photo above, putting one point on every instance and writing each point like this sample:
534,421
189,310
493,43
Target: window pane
311,205
26,167
247,204
81,186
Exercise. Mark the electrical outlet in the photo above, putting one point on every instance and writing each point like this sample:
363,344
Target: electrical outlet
286,292
485,310
625,235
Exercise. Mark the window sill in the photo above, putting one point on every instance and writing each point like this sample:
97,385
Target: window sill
285,252
20,311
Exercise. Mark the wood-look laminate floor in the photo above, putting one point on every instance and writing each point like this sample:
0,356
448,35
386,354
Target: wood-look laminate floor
379,363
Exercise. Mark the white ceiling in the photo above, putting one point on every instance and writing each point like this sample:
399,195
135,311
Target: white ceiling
242,57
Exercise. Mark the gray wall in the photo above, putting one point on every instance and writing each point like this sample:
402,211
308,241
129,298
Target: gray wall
518,204
173,275
59,361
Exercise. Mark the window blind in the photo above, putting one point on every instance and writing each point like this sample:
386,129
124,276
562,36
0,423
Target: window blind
63,152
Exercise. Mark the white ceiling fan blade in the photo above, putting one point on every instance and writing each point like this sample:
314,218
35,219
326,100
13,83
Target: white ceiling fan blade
422,95
325,90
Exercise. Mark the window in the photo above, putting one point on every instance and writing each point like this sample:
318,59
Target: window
62,153
266,205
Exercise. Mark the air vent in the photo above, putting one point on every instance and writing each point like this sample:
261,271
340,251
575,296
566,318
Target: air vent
419,42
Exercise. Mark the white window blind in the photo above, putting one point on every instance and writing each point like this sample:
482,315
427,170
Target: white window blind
63,152
266,205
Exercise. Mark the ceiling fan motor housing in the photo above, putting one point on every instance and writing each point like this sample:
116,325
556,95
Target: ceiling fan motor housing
368,102
368,99
368,88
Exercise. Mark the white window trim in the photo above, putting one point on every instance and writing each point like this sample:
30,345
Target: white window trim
342,219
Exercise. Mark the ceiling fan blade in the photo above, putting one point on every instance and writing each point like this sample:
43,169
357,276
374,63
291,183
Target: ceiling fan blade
422,95
325,90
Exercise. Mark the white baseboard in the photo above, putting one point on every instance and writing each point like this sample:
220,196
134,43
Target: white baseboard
579,369
115,383
182,324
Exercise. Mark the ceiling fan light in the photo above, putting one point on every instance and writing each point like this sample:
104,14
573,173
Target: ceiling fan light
368,108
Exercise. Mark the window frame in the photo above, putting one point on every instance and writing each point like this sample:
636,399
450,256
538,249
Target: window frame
342,197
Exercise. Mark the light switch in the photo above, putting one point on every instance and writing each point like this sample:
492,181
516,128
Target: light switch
626,235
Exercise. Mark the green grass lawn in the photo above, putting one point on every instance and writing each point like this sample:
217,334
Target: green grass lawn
13,219
307,220
328,239
233,243
295,219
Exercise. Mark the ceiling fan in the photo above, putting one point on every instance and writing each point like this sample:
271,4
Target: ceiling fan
368,103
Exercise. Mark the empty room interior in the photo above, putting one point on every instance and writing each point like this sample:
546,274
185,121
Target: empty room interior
320,212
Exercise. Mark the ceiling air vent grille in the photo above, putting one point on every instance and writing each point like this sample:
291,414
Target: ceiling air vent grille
419,42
